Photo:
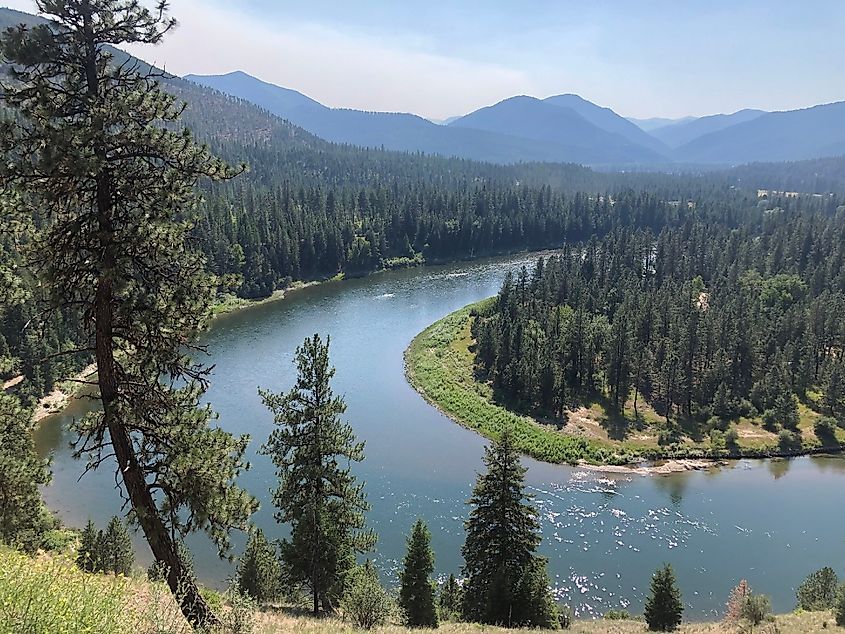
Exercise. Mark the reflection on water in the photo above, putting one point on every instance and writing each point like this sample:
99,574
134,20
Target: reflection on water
770,522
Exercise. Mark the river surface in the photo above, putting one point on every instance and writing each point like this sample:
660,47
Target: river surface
771,522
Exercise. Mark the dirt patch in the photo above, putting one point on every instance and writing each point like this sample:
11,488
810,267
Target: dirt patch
664,467
58,399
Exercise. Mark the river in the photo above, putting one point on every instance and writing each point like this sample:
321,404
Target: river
771,522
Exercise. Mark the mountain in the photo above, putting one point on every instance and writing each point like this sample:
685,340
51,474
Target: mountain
607,120
653,123
679,134
410,133
533,118
791,135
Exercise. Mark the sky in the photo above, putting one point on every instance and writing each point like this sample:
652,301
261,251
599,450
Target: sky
440,58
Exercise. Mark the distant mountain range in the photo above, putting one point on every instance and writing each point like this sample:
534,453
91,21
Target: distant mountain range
560,128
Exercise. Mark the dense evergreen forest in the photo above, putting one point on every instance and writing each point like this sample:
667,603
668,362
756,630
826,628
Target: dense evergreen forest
308,209
705,316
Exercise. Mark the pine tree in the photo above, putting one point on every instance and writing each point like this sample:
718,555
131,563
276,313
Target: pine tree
450,599
416,590
259,574
502,536
663,608
96,149
22,514
116,553
316,495
88,553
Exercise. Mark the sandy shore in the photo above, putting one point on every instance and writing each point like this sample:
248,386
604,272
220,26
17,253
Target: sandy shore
58,399
663,467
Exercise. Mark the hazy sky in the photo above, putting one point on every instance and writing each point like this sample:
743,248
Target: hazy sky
440,58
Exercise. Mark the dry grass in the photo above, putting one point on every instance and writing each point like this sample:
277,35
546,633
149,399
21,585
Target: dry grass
806,622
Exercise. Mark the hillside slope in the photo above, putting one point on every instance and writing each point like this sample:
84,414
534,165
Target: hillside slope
776,136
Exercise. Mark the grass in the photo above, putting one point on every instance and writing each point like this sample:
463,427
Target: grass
50,595
798,623
439,364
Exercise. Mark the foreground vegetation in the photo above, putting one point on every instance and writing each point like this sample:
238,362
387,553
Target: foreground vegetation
49,594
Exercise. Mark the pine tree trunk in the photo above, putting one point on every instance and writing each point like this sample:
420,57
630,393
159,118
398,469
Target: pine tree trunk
193,606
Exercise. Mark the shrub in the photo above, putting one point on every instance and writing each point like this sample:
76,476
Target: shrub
732,438
789,440
57,540
839,607
717,440
664,609
259,573
756,608
736,602
565,616
365,602
825,429
818,591
617,615
450,600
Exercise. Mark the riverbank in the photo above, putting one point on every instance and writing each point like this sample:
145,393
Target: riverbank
68,389
229,303
439,364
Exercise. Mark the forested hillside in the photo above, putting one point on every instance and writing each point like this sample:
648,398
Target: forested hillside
309,209
706,320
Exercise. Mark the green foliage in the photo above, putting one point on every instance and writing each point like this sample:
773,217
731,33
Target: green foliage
110,551
825,429
818,591
692,339
59,540
756,608
616,615
506,582
664,609
416,589
839,606
789,441
23,519
117,555
52,596
450,600
365,602
116,185
88,553
566,617
444,375
316,494
259,574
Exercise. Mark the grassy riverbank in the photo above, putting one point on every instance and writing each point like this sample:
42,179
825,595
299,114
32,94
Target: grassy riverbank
48,593
439,364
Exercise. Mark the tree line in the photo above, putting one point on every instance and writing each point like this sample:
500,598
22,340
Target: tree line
705,322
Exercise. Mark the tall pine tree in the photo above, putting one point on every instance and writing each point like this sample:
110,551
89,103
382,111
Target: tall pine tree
501,565
316,494
416,590
96,149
